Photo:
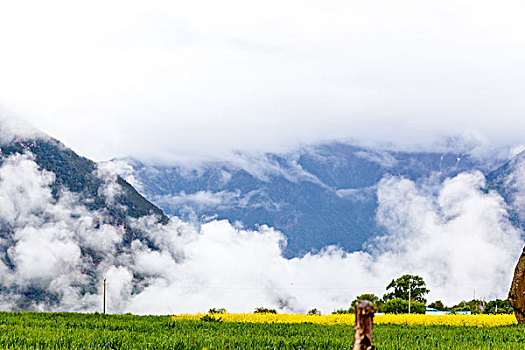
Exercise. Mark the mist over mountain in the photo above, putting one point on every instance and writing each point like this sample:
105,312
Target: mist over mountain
67,223
317,196
63,219
509,181
81,175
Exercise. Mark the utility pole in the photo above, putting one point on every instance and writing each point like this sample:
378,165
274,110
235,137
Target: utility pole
104,302
409,295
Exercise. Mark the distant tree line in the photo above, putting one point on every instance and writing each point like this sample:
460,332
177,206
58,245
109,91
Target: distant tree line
396,300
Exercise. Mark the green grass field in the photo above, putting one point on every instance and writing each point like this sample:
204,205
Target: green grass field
94,331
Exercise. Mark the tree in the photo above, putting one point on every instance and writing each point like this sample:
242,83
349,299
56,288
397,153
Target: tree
374,299
370,297
438,305
475,306
400,306
403,284
498,306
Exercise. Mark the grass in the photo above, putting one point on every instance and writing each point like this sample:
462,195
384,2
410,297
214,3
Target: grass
31,330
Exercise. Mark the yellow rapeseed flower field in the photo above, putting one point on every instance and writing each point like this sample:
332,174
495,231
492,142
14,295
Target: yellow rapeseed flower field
348,319
448,320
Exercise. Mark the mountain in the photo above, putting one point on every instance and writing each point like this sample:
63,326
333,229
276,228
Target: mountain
64,223
318,196
67,224
509,181
79,175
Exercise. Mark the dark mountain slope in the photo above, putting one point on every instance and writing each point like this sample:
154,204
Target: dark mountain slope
78,175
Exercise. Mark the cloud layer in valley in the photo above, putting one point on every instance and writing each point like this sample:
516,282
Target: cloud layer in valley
454,234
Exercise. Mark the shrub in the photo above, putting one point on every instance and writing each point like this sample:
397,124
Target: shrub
208,318
343,311
217,311
314,311
264,310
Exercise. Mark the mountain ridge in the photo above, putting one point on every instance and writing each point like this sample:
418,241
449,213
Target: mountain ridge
77,173
317,196
509,181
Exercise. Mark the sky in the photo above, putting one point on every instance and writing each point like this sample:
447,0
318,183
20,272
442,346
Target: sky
161,79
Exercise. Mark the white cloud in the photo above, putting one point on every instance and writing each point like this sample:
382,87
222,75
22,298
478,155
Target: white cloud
108,172
357,194
12,128
23,189
173,78
43,253
201,199
455,235
109,189
459,239
382,158
44,236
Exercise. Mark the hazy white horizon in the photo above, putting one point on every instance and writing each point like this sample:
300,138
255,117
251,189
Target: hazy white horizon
175,79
